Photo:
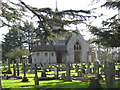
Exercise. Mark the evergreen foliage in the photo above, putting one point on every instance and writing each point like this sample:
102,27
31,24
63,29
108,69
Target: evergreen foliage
109,34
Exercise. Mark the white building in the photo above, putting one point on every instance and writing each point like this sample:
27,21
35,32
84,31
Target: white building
72,50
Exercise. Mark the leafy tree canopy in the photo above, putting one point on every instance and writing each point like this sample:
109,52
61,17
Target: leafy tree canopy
48,18
13,13
109,34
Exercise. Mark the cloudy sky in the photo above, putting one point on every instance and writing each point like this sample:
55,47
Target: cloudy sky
65,5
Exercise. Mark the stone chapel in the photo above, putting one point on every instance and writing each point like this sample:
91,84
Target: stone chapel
73,49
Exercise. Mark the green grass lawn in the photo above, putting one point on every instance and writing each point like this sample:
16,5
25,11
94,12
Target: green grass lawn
44,84
48,83
17,84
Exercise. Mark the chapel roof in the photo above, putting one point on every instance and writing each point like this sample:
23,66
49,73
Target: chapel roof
49,48
56,45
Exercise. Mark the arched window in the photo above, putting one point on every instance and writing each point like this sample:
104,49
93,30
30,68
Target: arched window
39,43
47,43
77,46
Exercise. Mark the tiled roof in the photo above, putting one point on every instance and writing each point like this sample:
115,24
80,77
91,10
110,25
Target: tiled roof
49,48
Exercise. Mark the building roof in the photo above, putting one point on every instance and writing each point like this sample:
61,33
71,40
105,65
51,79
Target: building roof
49,48
56,45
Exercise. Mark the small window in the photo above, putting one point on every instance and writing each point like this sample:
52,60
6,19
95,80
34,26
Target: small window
52,54
47,43
39,43
46,54
37,54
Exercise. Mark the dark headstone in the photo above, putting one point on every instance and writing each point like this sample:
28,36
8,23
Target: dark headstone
63,76
83,70
88,70
24,79
83,66
80,74
68,77
36,80
9,72
43,74
117,72
99,77
110,74
94,83
76,68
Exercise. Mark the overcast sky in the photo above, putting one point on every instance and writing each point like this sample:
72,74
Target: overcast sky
65,5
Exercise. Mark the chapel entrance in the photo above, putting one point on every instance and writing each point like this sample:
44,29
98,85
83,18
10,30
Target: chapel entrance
77,52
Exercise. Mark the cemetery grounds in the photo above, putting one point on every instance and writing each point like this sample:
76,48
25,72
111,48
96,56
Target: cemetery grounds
16,84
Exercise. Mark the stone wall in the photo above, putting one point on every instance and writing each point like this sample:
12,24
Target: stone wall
44,57
70,49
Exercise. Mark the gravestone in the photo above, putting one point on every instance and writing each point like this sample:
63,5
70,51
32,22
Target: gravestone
43,74
88,64
83,66
63,76
83,70
63,68
71,66
94,83
98,76
117,72
49,68
56,74
89,70
76,68
109,69
96,68
93,70
80,74
102,70
24,79
68,77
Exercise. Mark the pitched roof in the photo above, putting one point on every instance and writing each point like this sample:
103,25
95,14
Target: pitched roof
56,45
49,48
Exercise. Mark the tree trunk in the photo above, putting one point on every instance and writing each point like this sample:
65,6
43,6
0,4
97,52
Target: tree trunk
24,79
